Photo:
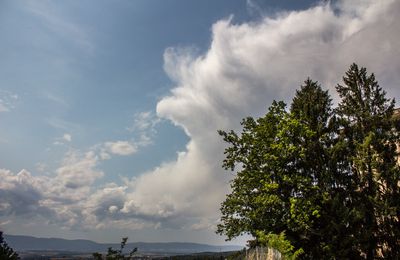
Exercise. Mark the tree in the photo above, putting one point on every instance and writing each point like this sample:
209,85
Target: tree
327,178
270,193
6,252
326,237
115,254
372,138
280,243
313,105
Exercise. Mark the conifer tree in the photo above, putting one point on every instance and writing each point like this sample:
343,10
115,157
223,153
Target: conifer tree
371,138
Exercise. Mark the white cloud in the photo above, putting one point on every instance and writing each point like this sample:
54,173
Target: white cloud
143,128
7,101
144,121
67,137
63,139
104,155
59,198
245,68
76,171
113,209
120,147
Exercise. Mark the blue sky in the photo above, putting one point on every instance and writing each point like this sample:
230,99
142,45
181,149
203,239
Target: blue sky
109,109
87,68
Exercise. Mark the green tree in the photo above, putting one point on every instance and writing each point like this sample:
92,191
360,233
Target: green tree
326,164
313,105
280,243
271,192
327,178
370,134
6,252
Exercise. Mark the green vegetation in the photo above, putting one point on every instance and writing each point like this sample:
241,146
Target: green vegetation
6,252
114,254
203,256
318,182
280,243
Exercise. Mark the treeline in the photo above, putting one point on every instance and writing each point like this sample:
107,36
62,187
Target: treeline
321,182
6,252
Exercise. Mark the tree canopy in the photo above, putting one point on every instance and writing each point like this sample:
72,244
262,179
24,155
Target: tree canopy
116,254
328,178
6,252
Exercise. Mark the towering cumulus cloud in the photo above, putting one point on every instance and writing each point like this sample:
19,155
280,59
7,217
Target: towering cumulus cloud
246,67
249,65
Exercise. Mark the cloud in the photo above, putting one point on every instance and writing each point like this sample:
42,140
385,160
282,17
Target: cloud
144,121
60,198
67,137
7,101
62,140
76,171
144,130
144,127
204,224
107,201
246,67
120,147
20,194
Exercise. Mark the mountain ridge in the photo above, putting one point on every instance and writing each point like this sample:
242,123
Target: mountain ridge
29,243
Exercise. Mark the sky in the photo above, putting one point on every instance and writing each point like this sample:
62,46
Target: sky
109,110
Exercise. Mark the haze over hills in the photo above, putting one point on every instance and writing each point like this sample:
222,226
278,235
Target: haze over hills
28,243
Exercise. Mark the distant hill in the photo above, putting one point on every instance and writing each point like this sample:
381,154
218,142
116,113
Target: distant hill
28,243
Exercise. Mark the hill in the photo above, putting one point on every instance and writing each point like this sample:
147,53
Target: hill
28,243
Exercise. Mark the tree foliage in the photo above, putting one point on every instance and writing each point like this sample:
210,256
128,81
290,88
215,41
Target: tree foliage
280,243
6,252
328,178
372,138
115,254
